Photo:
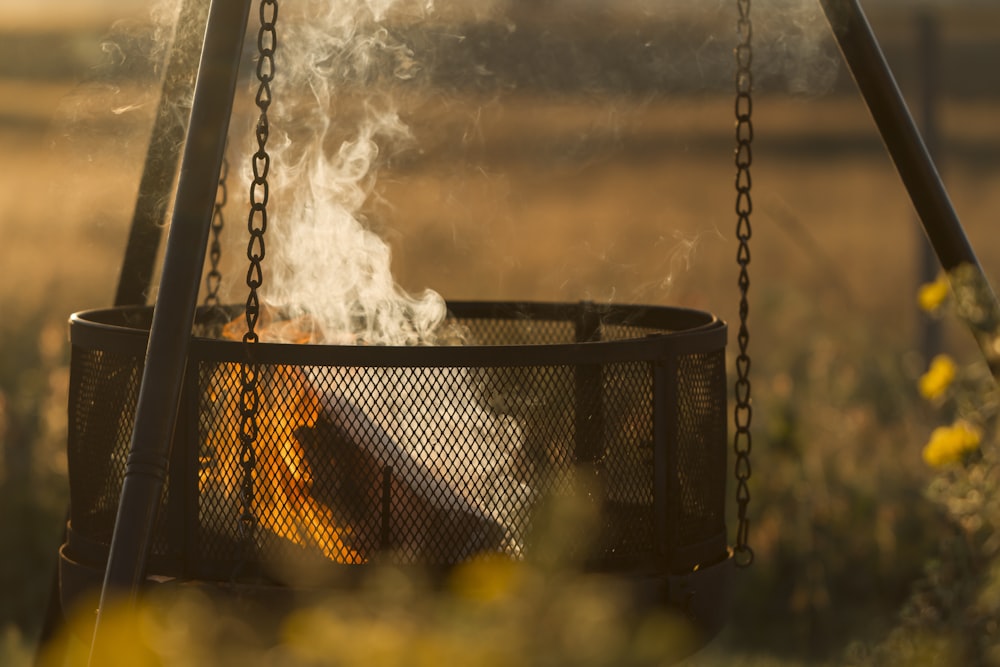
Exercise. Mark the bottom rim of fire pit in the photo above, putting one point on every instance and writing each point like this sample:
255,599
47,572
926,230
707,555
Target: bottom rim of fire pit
701,599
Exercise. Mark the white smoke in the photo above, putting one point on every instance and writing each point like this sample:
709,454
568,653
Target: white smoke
332,121
795,46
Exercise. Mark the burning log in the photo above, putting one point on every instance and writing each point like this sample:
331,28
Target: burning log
455,458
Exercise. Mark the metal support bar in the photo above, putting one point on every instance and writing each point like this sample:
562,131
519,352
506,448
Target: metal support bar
871,72
587,380
664,458
929,337
162,157
170,331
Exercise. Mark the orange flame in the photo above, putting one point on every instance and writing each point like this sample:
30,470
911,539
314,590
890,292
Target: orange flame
283,502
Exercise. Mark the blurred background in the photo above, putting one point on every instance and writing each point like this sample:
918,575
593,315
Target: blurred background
566,150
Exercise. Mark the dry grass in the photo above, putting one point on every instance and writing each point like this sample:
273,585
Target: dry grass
535,198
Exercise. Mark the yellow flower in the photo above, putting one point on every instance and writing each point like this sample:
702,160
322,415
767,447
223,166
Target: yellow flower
487,578
938,377
949,444
932,295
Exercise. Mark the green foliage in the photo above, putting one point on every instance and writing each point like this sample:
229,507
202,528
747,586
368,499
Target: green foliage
840,526
951,617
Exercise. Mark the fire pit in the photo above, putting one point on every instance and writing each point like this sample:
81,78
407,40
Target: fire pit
416,456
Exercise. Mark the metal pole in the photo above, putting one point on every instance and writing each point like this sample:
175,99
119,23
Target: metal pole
170,331
871,72
162,158
928,53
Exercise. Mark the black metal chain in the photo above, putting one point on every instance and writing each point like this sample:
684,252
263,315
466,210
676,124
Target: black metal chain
257,226
213,279
742,442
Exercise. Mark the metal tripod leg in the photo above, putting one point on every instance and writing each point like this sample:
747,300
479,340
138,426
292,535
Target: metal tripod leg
162,158
916,168
173,316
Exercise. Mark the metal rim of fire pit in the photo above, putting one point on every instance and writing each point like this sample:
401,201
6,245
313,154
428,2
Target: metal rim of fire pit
129,329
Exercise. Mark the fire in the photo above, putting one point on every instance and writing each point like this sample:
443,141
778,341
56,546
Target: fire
284,502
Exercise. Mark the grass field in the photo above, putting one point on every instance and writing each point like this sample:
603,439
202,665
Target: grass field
521,193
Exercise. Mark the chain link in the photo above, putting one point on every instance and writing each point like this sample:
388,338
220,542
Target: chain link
214,278
257,225
742,442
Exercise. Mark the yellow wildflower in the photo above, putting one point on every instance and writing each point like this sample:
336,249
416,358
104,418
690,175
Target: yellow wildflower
487,578
932,295
949,444
938,377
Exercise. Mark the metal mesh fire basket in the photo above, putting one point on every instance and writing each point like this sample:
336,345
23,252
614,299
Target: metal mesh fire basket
417,456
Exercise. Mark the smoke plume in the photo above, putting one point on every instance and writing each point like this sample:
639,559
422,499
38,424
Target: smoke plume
333,121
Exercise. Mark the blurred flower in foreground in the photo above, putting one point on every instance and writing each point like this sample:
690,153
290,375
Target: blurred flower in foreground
949,444
487,579
938,377
932,295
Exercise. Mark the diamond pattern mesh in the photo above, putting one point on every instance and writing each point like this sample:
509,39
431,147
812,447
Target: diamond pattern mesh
103,394
419,464
701,463
521,331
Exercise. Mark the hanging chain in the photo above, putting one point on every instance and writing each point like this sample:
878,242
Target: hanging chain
742,442
257,226
214,278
